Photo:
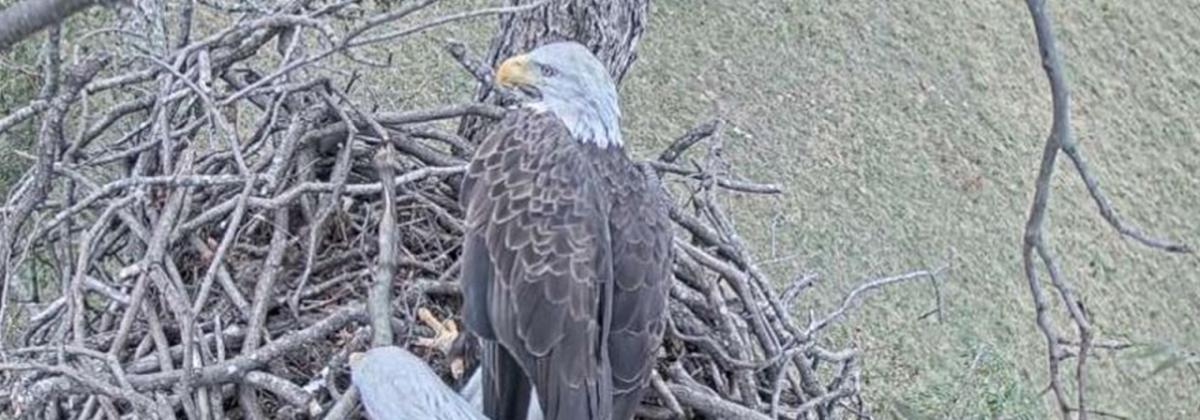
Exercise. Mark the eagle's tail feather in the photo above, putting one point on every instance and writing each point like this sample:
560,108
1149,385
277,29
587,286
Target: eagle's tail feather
591,400
626,404
505,386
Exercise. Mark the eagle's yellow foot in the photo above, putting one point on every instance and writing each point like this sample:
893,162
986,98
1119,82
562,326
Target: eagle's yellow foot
445,332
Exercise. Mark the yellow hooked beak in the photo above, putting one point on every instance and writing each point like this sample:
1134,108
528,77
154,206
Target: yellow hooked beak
514,72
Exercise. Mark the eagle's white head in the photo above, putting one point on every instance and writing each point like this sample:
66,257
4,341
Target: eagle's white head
566,79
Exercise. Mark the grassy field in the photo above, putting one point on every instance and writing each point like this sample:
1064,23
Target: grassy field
908,135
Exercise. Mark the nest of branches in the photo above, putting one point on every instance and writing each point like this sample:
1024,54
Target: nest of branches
210,227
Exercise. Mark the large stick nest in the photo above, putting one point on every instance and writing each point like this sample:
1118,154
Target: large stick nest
200,235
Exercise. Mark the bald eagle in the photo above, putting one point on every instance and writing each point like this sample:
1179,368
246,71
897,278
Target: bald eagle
567,254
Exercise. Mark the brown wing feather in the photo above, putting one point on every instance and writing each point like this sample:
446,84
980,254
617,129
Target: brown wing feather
641,232
538,287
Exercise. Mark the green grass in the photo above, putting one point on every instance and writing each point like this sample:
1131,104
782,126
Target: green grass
907,132
19,81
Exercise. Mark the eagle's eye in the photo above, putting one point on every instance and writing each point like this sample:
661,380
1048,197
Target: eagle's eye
548,71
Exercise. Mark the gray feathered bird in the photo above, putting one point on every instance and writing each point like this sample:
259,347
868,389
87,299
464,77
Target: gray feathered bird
395,384
567,255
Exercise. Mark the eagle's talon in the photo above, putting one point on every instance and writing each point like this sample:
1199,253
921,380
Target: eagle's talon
445,332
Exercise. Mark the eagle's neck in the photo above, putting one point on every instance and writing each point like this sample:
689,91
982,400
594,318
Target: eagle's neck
591,119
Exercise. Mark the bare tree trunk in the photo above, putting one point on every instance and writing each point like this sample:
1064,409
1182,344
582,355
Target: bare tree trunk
610,28
23,19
